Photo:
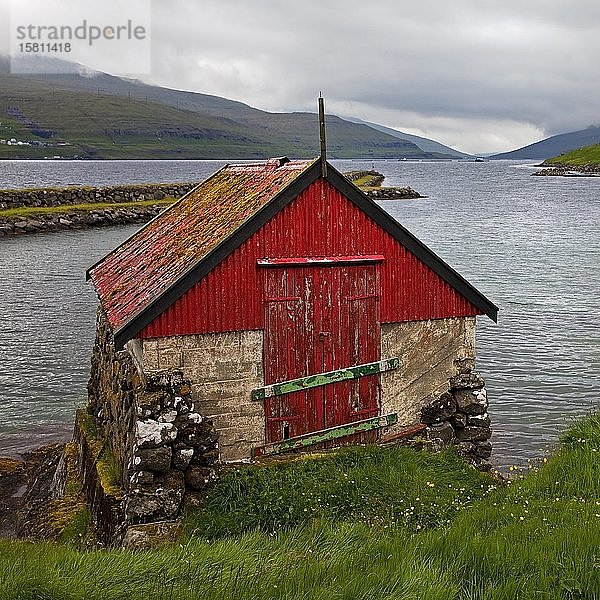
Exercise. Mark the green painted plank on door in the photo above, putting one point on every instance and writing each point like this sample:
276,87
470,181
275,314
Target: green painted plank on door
326,435
310,381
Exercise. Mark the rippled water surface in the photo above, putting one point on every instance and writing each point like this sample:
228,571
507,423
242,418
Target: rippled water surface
531,244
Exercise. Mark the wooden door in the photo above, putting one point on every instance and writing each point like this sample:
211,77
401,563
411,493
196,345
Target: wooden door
320,319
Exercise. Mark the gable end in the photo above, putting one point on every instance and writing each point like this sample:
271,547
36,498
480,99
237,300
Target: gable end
237,237
411,243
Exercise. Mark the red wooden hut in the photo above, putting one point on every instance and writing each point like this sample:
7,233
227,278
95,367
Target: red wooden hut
295,310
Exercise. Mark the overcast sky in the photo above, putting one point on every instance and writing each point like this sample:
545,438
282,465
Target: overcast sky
479,75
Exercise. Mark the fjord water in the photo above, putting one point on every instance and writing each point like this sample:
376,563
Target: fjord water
530,244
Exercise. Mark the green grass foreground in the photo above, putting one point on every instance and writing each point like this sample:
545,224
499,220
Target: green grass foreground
466,538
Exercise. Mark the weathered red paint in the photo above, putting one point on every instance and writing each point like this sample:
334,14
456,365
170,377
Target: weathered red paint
155,258
320,260
320,319
320,222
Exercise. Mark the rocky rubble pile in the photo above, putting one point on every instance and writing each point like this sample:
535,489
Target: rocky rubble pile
459,417
392,193
568,170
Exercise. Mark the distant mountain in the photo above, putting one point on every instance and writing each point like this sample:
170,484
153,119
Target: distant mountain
95,115
424,143
555,145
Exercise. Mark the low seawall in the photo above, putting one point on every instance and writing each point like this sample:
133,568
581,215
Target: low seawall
560,170
53,209
73,207
81,219
65,196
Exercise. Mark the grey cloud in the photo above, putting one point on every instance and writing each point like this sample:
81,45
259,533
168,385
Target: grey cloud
476,63
477,74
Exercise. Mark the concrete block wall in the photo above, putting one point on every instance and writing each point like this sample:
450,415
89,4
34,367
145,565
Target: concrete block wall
223,369
431,353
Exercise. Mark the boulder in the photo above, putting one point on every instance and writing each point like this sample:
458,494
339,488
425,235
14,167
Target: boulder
459,420
479,420
198,477
483,449
151,535
151,433
141,478
439,410
182,458
157,460
471,402
156,502
467,381
471,434
442,433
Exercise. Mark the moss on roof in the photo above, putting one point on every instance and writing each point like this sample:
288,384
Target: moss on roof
133,275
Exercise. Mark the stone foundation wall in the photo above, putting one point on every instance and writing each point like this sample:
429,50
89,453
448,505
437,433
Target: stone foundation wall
148,421
436,384
223,369
106,508
459,417
171,409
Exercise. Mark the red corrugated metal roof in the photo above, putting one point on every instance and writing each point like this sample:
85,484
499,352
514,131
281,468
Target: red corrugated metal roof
154,258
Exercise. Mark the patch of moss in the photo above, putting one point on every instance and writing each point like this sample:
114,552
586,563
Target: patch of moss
365,179
109,472
68,518
88,427
65,519
107,466
10,466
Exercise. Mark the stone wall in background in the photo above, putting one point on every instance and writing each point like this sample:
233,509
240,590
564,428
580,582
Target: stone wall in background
65,196
72,218
78,219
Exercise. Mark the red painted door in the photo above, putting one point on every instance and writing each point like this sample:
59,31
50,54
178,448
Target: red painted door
320,319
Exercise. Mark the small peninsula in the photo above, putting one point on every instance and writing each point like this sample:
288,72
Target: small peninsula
583,162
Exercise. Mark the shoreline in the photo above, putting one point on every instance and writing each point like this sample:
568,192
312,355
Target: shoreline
566,170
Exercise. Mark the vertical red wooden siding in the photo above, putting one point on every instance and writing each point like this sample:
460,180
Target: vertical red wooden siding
319,222
320,319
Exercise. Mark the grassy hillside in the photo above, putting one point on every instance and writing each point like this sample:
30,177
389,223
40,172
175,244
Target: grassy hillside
98,124
238,111
370,524
586,156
